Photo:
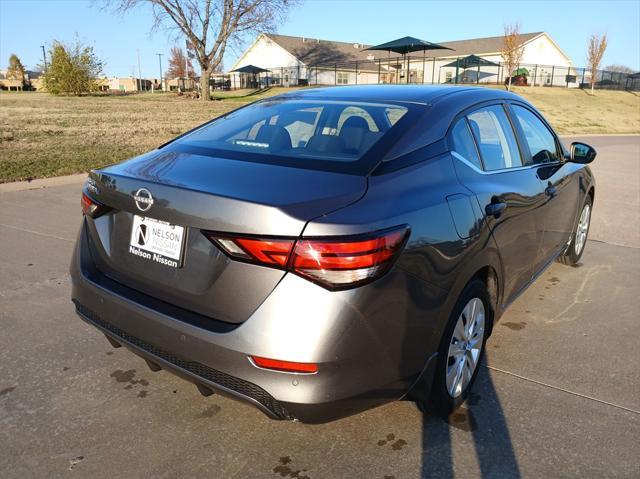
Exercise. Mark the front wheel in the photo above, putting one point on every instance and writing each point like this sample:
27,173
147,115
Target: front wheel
461,349
579,237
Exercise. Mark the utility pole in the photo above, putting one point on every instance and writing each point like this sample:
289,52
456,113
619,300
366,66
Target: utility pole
160,61
44,57
186,62
139,69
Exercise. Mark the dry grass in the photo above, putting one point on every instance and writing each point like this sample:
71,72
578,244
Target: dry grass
42,135
573,111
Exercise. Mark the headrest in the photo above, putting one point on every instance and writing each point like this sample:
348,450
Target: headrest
276,136
326,144
355,122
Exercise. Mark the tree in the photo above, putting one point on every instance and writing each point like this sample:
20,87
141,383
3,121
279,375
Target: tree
212,25
15,71
74,69
179,64
512,50
595,51
619,69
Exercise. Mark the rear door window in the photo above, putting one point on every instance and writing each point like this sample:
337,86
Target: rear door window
541,142
463,143
495,138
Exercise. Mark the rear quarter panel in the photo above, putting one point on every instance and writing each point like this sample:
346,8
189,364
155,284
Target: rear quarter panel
436,258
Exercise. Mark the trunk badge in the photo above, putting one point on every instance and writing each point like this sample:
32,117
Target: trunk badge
143,199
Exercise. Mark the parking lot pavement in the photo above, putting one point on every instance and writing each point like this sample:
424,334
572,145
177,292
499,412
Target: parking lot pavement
617,171
557,396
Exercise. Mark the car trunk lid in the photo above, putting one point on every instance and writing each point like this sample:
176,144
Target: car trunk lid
205,193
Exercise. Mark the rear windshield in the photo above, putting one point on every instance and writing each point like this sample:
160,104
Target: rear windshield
332,131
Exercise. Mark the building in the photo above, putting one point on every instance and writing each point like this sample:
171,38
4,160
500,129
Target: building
32,81
300,61
129,84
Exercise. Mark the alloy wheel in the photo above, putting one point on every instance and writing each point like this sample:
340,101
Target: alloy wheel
582,229
465,347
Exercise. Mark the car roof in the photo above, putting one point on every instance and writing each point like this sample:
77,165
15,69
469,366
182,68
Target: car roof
422,94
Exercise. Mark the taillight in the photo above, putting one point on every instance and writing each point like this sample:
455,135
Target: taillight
92,208
333,262
268,252
337,263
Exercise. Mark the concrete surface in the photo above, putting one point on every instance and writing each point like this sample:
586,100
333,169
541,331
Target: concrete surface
558,395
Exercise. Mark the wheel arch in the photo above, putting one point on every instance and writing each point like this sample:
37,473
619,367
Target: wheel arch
486,266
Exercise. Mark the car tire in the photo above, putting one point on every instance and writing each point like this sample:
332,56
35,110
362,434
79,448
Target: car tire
579,236
456,350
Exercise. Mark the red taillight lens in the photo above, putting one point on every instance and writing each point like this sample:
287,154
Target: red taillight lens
274,252
334,263
269,252
344,263
91,207
285,366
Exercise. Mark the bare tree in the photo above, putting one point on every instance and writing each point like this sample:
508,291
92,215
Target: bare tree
212,25
595,51
179,64
619,69
512,50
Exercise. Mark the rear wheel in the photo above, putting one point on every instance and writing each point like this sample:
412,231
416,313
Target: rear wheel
579,237
460,350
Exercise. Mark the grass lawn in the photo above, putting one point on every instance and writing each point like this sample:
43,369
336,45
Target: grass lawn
42,135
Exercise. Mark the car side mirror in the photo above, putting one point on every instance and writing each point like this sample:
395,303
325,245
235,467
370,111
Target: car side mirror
582,153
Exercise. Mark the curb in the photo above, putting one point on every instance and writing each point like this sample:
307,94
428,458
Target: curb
42,183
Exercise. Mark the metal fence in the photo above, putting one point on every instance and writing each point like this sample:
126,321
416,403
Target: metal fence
428,70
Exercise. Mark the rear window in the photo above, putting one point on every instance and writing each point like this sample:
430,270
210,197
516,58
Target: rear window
334,131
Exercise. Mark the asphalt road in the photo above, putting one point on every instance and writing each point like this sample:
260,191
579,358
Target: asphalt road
559,395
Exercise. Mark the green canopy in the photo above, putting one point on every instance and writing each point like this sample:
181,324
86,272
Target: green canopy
406,45
250,69
470,62
521,72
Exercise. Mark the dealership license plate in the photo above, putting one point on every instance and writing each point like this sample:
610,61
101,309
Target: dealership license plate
157,241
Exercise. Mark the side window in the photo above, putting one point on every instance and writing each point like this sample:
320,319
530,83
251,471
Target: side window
541,141
394,114
495,139
463,143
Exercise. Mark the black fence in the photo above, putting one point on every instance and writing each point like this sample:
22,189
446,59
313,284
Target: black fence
429,70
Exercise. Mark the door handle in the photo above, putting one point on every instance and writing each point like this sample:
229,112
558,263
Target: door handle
495,209
551,190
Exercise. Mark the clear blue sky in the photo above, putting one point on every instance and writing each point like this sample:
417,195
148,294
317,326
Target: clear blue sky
27,24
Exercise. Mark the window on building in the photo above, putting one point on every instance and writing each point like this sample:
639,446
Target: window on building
342,78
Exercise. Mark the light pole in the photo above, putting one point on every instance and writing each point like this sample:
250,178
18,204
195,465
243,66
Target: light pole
139,69
44,57
160,61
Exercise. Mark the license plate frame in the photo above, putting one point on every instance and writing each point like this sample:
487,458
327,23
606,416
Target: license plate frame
157,241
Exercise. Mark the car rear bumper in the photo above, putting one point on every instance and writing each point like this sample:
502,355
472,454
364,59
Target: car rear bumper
369,348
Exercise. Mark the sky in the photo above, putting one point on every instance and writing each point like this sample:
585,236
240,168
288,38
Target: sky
25,25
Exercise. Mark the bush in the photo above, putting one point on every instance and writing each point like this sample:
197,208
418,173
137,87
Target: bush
73,70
